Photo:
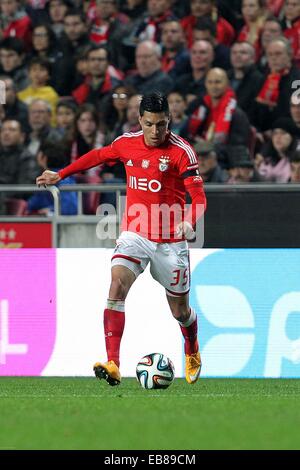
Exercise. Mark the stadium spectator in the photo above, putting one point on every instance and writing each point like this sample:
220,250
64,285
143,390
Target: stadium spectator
75,37
73,44
275,6
65,116
273,100
98,84
14,21
216,117
149,76
17,165
291,26
200,8
134,9
192,85
271,30
177,106
115,114
254,15
87,136
39,71
241,168
87,133
205,30
13,107
150,28
44,46
37,11
295,168
53,157
108,29
12,55
209,168
39,112
273,163
132,123
175,58
57,11
244,78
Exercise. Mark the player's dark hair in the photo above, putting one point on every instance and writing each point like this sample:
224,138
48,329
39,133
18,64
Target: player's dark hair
154,102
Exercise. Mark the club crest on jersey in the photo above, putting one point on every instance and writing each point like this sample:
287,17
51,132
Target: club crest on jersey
164,163
145,164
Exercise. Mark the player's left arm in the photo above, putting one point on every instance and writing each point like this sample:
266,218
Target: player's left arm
193,184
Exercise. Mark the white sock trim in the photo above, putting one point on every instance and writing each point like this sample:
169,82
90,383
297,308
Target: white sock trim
118,305
191,319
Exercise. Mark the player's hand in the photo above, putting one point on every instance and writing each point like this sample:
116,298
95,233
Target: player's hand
185,229
48,177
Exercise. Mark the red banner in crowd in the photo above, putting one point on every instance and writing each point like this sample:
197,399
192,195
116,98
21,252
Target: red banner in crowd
25,235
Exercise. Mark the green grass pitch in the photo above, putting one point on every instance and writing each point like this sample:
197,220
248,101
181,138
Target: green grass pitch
83,413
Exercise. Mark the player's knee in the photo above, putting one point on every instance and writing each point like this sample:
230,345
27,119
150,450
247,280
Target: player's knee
180,311
118,289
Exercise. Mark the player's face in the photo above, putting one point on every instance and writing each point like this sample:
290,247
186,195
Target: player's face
155,127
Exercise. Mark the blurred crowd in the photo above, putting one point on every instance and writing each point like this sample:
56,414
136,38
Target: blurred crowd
73,71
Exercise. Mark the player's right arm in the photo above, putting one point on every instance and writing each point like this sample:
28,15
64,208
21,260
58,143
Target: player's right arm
95,157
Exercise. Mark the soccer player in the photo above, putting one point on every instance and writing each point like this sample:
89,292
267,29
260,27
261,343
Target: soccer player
160,168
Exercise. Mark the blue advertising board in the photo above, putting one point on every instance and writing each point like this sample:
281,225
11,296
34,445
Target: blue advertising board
248,307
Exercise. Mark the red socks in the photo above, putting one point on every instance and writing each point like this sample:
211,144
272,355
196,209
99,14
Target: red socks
114,322
189,331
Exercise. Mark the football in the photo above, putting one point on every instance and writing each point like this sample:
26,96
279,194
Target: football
155,371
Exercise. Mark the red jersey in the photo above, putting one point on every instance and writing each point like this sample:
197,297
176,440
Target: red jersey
157,180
